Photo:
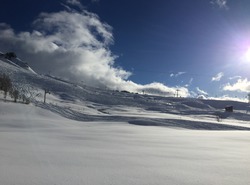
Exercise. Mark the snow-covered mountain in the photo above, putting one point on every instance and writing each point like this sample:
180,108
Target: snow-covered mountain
87,135
84,103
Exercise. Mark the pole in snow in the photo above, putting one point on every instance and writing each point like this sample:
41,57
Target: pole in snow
45,92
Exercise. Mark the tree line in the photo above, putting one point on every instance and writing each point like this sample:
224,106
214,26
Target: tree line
15,92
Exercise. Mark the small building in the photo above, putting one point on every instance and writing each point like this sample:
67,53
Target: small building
229,108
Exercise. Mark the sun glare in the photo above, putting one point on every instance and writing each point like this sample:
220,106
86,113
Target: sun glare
247,55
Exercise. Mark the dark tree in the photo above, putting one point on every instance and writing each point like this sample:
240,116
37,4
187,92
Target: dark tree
15,94
10,55
5,84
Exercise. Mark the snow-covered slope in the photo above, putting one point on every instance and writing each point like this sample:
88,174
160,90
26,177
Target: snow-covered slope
83,103
86,135
40,147
16,62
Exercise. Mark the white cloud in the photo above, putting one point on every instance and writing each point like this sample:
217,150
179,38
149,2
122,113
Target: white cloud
177,74
161,89
220,3
74,2
234,77
75,45
242,85
229,98
191,81
202,92
218,77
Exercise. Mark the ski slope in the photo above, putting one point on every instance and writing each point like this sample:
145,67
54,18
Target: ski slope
87,135
41,147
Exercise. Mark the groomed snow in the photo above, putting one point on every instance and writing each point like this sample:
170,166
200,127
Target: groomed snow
40,147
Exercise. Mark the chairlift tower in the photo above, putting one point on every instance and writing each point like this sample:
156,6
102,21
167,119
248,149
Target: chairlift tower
177,93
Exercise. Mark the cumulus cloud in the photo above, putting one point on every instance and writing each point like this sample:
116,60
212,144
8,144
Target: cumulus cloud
70,44
218,77
242,85
74,45
220,3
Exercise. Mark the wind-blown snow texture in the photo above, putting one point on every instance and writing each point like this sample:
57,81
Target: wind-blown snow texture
85,135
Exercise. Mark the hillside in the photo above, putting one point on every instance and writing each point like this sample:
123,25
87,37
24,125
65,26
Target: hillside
86,135
84,103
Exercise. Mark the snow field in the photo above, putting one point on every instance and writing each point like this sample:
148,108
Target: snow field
40,147
86,135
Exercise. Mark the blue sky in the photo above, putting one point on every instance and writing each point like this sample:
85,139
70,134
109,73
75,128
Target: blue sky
201,47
